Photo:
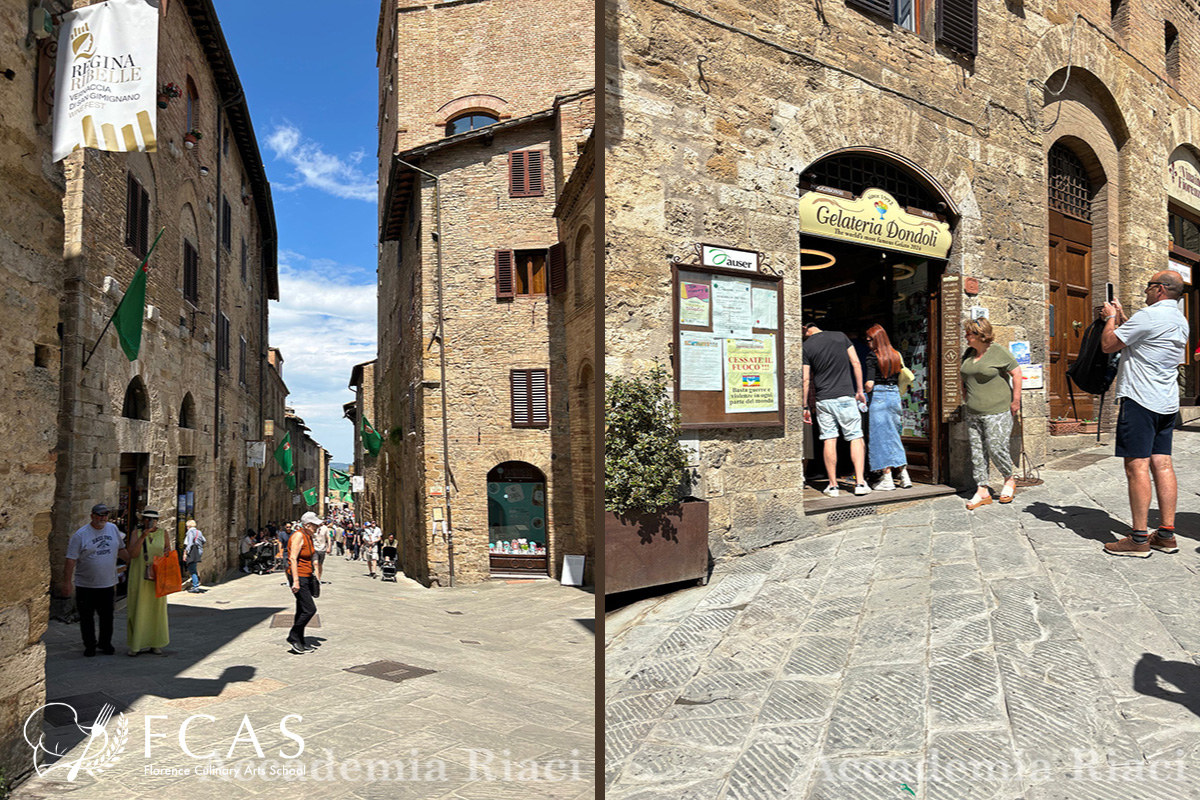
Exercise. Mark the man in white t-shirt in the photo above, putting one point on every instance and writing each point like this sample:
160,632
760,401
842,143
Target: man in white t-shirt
371,536
320,546
91,574
1152,344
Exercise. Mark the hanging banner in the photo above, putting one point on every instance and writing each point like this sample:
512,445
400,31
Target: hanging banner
256,454
750,383
1183,179
105,93
357,484
874,219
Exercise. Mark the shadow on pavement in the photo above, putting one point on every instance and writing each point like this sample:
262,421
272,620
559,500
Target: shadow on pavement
1182,675
87,685
590,624
1089,523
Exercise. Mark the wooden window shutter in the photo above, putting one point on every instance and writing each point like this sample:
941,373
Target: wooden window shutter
505,279
517,173
958,25
518,380
881,7
130,210
535,185
530,400
143,232
539,400
558,268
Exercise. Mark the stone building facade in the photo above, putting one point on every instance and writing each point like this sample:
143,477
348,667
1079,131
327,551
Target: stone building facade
480,332
277,498
1055,142
575,212
31,276
169,430
311,463
368,505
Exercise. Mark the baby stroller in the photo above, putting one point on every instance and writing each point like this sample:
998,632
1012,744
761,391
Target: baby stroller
263,559
387,563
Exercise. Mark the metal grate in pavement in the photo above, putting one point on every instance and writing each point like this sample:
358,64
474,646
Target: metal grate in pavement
284,619
392,671
850,513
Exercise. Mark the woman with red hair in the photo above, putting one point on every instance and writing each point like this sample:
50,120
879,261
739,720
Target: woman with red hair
885,452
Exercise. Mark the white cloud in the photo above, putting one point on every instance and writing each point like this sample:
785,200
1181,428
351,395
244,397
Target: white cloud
324,324
317,169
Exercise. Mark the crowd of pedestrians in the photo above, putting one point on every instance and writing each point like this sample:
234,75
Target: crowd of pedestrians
1152,344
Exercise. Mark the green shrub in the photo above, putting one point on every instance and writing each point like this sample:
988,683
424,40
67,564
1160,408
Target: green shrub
644,463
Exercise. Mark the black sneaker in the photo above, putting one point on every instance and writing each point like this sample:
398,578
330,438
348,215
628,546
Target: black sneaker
297,649
108,651
88,653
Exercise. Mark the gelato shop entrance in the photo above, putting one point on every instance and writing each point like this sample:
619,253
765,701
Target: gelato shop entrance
875,235
517,541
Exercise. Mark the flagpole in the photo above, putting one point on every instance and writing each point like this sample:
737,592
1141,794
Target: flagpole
118,308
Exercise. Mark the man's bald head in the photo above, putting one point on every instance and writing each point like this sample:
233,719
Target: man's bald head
1172,283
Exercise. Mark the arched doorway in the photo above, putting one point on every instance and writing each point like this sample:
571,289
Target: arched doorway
876,231
1074,176
518,539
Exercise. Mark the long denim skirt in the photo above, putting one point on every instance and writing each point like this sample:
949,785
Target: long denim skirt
884,449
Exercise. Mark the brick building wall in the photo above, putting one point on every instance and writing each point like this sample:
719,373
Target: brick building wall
362,381
277,498
712,152
31,275
178,361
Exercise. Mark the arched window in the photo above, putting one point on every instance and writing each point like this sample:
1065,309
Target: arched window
137,402
193,104
187,412
1171,48
469,122
1070,190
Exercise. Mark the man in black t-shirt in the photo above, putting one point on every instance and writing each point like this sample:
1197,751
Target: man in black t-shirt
833,382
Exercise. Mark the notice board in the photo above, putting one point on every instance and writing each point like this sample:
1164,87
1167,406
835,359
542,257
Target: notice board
728,347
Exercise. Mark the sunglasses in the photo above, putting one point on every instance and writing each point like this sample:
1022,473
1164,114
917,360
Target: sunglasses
1153,283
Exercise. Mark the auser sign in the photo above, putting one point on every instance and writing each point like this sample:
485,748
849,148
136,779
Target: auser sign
874,219
728,258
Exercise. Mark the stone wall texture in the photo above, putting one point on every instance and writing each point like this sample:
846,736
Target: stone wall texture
31,275
710,150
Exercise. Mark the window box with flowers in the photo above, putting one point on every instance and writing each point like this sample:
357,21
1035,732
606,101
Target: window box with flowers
1065,426
166,93
191,138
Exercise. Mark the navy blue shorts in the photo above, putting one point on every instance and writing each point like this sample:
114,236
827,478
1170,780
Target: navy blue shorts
1142,433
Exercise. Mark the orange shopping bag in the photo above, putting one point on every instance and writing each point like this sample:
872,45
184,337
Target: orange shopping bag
167,577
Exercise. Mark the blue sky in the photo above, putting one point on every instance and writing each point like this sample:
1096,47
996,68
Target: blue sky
308,70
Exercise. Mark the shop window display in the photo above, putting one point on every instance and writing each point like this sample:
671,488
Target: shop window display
516,518
910,312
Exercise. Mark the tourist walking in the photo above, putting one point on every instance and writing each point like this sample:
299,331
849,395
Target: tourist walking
1152,344
370,545
885,451
146,623
991,383
320,546
305,587
833,379
90,573
193,547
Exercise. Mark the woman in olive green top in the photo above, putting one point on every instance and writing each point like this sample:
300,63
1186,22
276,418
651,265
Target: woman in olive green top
990,405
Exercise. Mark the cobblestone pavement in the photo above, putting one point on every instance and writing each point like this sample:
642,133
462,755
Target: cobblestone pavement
1000,652
514,678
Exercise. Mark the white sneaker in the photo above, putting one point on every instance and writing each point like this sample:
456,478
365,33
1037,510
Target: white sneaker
905,481
862,489
830,491
886,484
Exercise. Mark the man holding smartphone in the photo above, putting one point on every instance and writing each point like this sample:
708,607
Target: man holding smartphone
1152,344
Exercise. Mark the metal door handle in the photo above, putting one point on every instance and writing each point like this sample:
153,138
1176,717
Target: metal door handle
1077,325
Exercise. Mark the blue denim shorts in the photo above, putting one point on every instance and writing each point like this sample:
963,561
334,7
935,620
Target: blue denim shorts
839,413
1142,433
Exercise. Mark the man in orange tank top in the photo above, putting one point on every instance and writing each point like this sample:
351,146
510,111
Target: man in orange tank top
304,583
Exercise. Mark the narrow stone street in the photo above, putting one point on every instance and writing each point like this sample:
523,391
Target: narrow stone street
505,711
925,652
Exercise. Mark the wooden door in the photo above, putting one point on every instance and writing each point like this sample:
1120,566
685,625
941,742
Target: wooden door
1069,310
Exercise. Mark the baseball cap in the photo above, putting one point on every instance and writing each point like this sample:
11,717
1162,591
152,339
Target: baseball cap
100,508
310,518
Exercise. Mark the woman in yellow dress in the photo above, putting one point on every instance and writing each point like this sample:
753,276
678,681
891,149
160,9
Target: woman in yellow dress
146,627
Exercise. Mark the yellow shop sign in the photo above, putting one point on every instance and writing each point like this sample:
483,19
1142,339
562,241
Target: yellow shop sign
874,219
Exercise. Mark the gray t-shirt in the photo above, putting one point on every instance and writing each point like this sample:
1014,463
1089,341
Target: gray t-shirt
95,554
1155,340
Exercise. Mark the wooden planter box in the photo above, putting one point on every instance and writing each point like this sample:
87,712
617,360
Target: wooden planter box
653,549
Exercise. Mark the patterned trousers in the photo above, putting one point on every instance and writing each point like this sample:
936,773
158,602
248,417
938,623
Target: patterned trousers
989,435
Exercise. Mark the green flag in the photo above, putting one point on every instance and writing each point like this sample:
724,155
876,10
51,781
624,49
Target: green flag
371,440
132,308
283,453
310,496
291,480
338,480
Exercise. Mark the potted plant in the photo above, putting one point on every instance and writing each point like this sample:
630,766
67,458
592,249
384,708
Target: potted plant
191,137
166,93
1063,426
652,533
1089,425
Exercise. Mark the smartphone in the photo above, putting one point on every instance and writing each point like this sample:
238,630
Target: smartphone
1109,292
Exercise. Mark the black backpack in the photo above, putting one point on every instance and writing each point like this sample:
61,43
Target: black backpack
1094,370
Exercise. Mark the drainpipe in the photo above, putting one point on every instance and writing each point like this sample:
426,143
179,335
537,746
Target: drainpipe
437,206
